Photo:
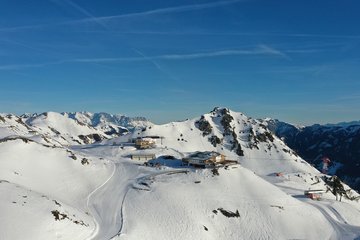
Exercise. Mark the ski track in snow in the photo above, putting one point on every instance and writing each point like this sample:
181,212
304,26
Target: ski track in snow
342,230
118,234
109,223
89,198
107,198
146,177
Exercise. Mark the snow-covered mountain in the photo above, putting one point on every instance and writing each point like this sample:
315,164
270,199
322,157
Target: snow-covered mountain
69,128
111,124
340,142
13,125
96,191
63,129
224,131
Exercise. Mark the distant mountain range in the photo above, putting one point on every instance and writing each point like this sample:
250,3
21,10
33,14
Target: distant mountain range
339,142
69,128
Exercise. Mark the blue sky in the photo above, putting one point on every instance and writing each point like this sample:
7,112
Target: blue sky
297,61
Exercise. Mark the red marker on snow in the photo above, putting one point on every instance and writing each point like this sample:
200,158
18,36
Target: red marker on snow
326,162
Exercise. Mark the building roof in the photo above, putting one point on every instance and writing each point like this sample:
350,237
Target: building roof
143,155
145,140
153,137
203,155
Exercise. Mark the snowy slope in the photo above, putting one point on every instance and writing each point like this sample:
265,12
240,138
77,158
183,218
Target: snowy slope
194,207
63,129
167,203
103,194
11,125
36,180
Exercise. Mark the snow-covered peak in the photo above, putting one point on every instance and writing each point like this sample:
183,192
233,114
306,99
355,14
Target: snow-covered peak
228,132
13,125
103,120
63,129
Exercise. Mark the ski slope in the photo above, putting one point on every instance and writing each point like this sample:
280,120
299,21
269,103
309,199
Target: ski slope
174,206
95,191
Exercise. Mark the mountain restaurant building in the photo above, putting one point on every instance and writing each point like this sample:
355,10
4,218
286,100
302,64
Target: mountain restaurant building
204,159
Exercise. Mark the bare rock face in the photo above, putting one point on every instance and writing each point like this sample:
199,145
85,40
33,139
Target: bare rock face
204,126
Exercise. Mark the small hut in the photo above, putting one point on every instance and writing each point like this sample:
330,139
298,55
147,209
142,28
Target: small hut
314,194
143,157
144,143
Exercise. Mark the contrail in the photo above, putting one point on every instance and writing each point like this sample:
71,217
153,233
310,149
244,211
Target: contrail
259,50
184,8
81,10
157,65
100,20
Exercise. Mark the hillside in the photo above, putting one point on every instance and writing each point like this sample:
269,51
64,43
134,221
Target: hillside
340,142
96,191
39,183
